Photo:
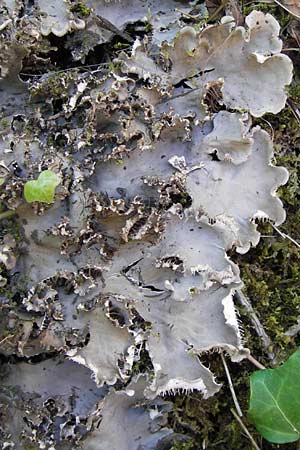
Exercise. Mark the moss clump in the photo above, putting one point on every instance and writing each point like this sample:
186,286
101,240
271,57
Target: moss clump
55,85
143,364
183,446
148,27
81,9
4,123
121,45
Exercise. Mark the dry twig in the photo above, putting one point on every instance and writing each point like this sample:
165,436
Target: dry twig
292,13
235,400
245,429
6,338
255,362
266,341
294,108
286,236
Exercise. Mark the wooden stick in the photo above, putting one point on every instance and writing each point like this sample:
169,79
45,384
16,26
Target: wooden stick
255,362
9,336
266,341
286,236
287,9
245,429
235,400
294,108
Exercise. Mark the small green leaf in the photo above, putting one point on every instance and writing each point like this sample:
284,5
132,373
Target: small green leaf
42,189
275,401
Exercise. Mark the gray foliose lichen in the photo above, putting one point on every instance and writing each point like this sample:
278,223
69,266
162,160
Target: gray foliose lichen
161,175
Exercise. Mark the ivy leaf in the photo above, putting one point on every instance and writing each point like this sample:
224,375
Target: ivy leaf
42,189
275,401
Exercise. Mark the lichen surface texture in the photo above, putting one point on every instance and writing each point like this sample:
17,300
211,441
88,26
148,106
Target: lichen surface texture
139,130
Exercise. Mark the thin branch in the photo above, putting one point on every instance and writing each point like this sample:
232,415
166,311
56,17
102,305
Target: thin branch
258,1
6,338
266,341
287,9
107,25
5,24
255,362
272,129
245,429
294,108
55,72
298,445
182,94
216,12
187,14
235,400
274,1
286,236
290,50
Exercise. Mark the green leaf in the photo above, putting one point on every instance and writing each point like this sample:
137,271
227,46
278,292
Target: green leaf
275,401
42,189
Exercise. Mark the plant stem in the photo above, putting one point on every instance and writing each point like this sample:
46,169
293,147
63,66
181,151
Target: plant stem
287,9
298,445
216,12
245,429
286,236
235,400
266,341
186,14
255,362
7,337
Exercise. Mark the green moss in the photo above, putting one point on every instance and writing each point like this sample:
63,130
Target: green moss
114,66
81,9
4,123
50,140
279,13
148,27
143,364
293,91
56,85
183,446
30,446
121,45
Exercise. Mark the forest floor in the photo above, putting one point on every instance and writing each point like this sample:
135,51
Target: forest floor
270,273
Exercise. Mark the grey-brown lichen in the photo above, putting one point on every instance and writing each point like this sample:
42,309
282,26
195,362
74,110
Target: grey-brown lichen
161,175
